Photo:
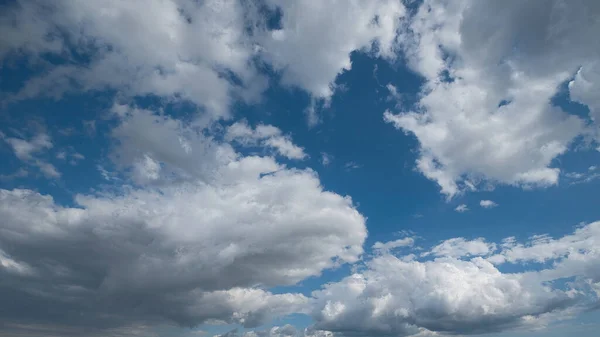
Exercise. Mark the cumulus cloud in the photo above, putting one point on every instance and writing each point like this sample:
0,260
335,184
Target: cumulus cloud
216,41
394,296
313,44
490,70
487,204
265,135
315,40
200,43
199,248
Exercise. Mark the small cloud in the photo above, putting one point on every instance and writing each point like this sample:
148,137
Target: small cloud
461,208
387,246
351,165
393,95
487,204
417,215
326,158
47,169
24,149
264,135
583,177
574,175
90,127
21,173
32,151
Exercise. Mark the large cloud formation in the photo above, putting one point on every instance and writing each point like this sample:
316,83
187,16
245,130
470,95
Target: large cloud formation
191,231
463,290
206,52
202,247
491,70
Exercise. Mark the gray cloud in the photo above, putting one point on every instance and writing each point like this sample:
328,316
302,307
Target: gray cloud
201,247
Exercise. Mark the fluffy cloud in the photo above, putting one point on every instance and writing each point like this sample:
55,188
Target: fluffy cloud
315,40
266,135
176,248
201,44
487,204
490,72
208,51
402,297
201,247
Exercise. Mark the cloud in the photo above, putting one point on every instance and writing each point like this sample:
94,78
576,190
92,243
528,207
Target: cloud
485,112
387,246
394,296
24,149
265,135
201,248
315,40
204,40
575,248
220,42
487,204
583,177
352,165
461,208
460,247
30,151
326,159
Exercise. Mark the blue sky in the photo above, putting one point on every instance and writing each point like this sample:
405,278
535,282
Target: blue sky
239,168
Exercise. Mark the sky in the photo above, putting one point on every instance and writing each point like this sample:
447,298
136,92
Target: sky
266,168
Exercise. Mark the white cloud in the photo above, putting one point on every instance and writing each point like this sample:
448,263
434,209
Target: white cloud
316,38
47,169
490,72
575,247
387,246
461,208
198,41
211,40
24,149
30,152
265,135
487,204
460,247
403,297
582,177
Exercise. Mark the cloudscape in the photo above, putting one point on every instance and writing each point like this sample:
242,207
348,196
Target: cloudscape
241,168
